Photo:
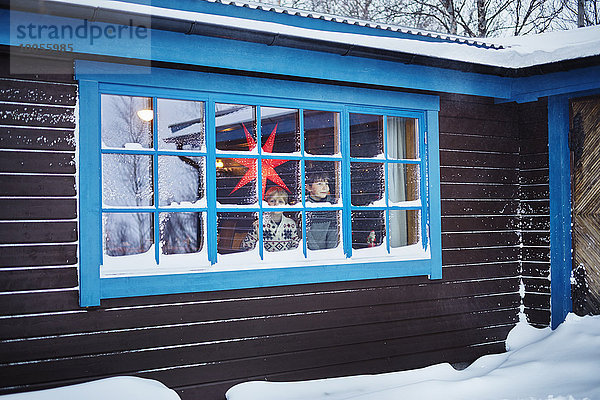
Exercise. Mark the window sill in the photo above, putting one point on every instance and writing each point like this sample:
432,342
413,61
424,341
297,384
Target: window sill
130,286
144,265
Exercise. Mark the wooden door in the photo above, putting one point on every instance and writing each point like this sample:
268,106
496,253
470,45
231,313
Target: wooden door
585,150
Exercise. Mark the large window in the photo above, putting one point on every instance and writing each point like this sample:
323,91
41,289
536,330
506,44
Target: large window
194,184
279,196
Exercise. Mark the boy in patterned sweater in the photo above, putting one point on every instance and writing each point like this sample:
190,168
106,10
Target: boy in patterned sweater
279,232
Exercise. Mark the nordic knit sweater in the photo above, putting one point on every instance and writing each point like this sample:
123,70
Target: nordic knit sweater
276,236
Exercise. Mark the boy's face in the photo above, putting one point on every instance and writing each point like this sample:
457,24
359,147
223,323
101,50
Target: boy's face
276,201
319,189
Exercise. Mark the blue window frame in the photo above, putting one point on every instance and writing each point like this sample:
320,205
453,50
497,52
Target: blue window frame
380,153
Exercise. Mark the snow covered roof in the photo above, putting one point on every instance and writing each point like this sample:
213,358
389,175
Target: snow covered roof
359,22
506,56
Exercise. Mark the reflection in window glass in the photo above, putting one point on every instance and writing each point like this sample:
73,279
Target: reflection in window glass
236,180
180,124
403,182
404,227
127,180
402,138
126,121
235,127
368,228
321,132
127,233
322,229
280,130
235,231
322,180
366,135
180,178
367,182
281,231
181,233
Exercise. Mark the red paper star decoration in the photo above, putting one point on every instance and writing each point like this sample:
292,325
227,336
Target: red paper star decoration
267,165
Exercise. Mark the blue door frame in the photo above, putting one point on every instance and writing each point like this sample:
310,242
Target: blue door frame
560,204
560,208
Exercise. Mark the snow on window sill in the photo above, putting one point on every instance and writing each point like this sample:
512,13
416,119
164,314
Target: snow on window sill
144,264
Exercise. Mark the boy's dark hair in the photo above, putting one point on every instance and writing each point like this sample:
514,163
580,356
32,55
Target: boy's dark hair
316,174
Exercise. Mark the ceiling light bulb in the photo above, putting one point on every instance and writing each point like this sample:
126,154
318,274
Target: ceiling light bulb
146,115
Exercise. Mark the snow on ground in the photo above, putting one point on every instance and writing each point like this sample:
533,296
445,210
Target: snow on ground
539,364
117,388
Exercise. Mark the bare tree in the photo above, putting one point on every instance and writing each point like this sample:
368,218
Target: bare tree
127,178
533,16
474,18
360,9
579,13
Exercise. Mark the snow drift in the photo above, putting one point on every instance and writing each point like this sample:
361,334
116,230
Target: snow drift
117,388
538,364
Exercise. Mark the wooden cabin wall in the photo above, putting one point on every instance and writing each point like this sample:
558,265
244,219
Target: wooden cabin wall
203,343
38,204
535,210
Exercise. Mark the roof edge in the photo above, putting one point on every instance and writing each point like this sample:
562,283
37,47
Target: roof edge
193,27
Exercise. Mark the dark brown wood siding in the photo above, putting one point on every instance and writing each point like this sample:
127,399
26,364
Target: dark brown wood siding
38,205
535,210
203,343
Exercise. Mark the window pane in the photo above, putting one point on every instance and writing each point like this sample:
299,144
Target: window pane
280,130
235,127
402,138
126,121
367,182
366,135
127,233
180,179
236,232
322,180
368,228
281,231
404,227
322,229
321,132
403,182
127,180
180,124
181,233
236,180
283,174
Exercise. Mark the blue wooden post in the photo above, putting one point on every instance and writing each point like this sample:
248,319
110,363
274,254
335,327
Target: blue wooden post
211,177
435,208
560,208
155,181
90,217
346,198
